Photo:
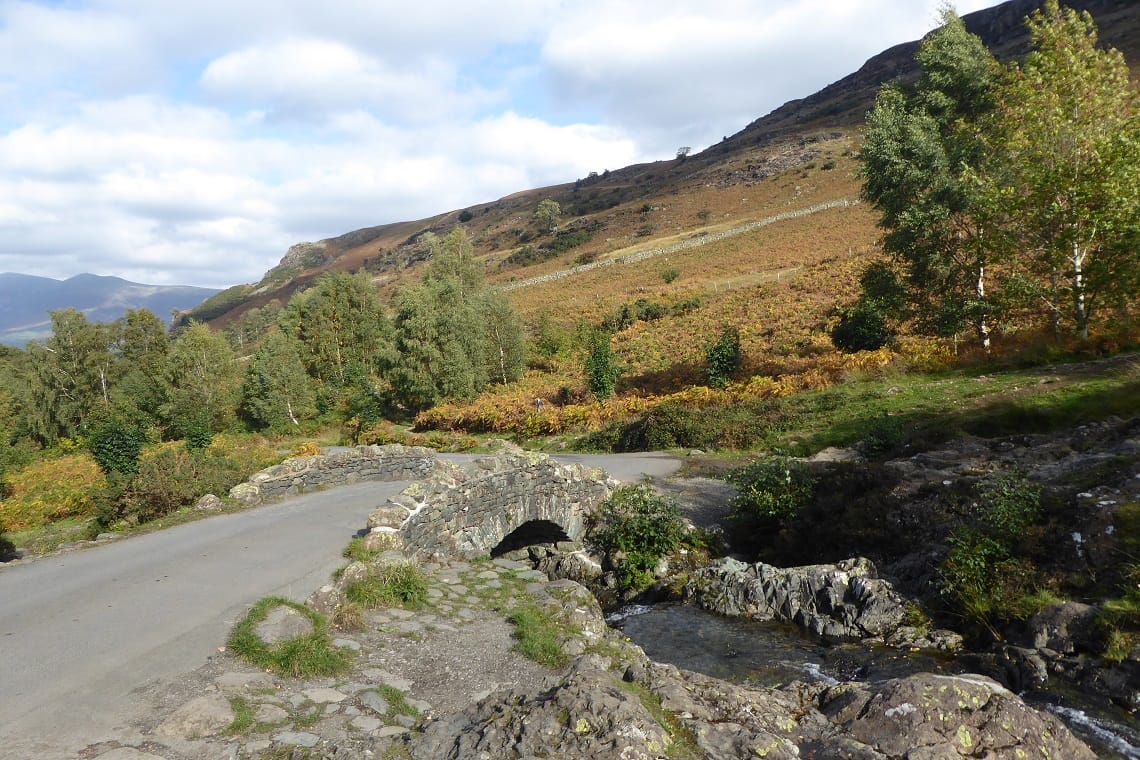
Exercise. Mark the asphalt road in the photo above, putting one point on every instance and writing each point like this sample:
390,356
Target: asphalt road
82,632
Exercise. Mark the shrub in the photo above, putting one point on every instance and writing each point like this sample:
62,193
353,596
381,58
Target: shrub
601,367
1007,507
170,478
883,435
722,359
861,327
643,526
669,274
116,444
982,581
771,492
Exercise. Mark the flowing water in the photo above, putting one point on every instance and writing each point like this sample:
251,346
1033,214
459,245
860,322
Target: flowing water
770,654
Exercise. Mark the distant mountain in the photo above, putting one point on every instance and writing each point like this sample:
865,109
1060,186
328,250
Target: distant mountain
25,301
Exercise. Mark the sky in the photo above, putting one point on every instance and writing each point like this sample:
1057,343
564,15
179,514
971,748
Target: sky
192,143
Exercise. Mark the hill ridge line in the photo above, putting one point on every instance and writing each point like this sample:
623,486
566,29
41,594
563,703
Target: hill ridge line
693,242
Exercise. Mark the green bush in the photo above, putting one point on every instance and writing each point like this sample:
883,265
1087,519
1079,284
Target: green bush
116,444
981,579
1007,507
883,435
861,327
601,367
771,492
643,526
168,479
669,274
722,360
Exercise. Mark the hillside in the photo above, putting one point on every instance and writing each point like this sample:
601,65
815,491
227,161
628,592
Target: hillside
778,160
25,301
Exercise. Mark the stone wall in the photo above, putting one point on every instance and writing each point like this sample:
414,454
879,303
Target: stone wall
465,512
363,463
690,242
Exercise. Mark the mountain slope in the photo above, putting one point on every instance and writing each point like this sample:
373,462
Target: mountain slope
634,206
25,301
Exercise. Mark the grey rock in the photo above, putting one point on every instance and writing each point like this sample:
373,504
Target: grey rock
374,702
297,738
283,623
202,716
209,503
265,713
934,716
323,695
1066,628
128,753
235,682
846,600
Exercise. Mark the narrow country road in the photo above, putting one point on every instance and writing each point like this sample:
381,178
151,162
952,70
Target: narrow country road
82,632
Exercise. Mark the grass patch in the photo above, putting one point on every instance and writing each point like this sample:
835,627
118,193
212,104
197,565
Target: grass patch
244,718
397,702
358,551
536,635
299,657
398,585
684,741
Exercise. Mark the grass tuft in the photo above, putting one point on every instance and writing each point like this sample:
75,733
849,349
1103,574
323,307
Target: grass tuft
299,657
398,585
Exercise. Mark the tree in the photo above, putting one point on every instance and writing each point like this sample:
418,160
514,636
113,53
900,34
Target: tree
505,352
1062,182
918,153
140,345
203,378
601,367
342,328
452,333
277,392
546,214
72,375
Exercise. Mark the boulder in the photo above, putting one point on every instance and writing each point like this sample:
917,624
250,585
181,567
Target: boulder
248,492
844,601
935,716
209,503
283,623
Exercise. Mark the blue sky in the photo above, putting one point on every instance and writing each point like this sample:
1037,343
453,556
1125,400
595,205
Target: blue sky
193,143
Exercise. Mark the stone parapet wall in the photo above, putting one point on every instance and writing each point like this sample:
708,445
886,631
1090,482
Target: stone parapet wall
465,512
362,463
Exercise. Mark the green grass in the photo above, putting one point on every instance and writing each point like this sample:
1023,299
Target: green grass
398,585
299,657
397,702
244,718
536,635
684,742
357,551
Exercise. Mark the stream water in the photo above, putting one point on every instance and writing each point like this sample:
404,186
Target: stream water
769,654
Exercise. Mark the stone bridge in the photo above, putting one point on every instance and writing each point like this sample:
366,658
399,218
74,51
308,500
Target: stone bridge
487,506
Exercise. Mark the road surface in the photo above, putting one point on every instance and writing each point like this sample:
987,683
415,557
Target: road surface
80,632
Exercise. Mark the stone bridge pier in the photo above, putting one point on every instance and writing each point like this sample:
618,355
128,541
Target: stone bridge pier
493,504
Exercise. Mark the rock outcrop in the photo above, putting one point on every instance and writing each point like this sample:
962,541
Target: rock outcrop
842,601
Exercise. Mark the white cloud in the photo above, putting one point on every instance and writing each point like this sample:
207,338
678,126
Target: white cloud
175,142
